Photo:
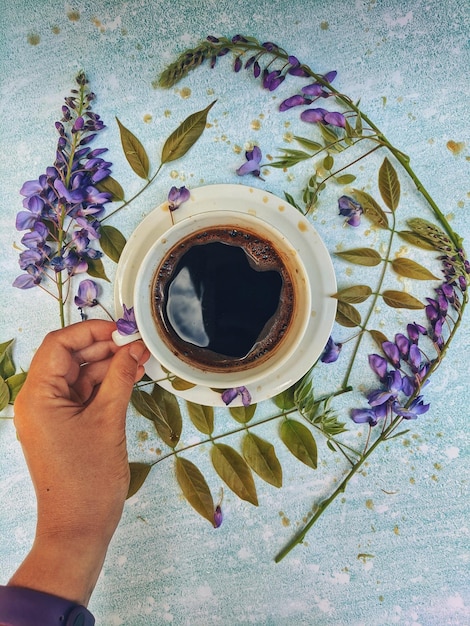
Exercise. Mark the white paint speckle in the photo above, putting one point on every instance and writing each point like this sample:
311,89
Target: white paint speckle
341,578
452,452
455,602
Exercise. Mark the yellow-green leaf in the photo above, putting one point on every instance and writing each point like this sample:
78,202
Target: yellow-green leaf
202,417
261,457
300,442
134,152
347,315
411,269
243,414
139,472
7,367
361,256
345,179
4,394
15,383
401,300
416,240
234,471
353,295
308,143
96,269
112,242
170,411
186,135
147,406
111,185
181,385
195,488
389,185
372,210
328,162
285,399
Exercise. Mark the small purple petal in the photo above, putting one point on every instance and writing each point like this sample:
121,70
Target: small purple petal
218,517
378,364
335,119
87,294
313,115
229,395
362,416
126,325
293,101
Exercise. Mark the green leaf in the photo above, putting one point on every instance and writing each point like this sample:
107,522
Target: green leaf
4,394
401,300
347,315
308,143
111,185
139,472
147,406
378,337
112,242
416,240
170,411
181,385
261,457
353,295
15,383
202,417
195,488
96,269
411,269
361,256
242,414
285,399
345,179
134,151
372,209
234,471
389,185
300,442
330,137
291,200
328,162
358,125
186,135
7,366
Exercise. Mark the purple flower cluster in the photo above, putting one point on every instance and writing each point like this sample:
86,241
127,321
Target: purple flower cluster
61,207
401,383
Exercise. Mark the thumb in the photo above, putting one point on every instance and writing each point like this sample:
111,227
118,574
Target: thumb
125,369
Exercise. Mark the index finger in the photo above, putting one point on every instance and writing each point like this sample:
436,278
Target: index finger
59,347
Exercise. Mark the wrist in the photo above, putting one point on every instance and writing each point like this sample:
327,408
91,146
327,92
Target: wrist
67,567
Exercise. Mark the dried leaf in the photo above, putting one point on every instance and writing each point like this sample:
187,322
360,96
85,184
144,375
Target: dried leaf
372,209
411,269
195,488
15,383
234,471
171,414
401,300
139,472
347,315
328,162
7,367
202,417
361,256
134,151
261,457
300,442
96,269
416,240
378,337
111,185
389,185
186,135
147,406
432,233
353,295
242,414
112,242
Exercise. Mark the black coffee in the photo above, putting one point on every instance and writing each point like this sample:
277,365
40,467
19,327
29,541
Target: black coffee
223,299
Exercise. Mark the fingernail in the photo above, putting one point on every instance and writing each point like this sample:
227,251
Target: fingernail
137,350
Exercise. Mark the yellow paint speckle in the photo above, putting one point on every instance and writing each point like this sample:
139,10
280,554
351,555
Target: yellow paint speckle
255,124
288,137
147,118
142,435
174,174
281,208
460,204
370,504
167,113
265,199
324,25
73,16
33,39
396,530
185,93
302,226
455,147
55,30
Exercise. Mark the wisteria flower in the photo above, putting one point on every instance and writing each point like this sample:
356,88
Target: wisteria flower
320,115
229,395
87,294
351,209
126,325
176,197
331,351
218,516
252,165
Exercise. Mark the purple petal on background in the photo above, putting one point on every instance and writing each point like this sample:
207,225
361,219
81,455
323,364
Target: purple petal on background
126,325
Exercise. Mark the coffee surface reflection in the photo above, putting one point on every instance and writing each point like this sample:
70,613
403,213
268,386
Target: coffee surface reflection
223,299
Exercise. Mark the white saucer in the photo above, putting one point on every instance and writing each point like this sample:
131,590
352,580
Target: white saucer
303,237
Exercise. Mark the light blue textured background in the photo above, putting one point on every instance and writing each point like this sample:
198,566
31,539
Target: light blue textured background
409,63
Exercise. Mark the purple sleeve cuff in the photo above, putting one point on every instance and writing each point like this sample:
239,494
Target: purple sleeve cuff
27,607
